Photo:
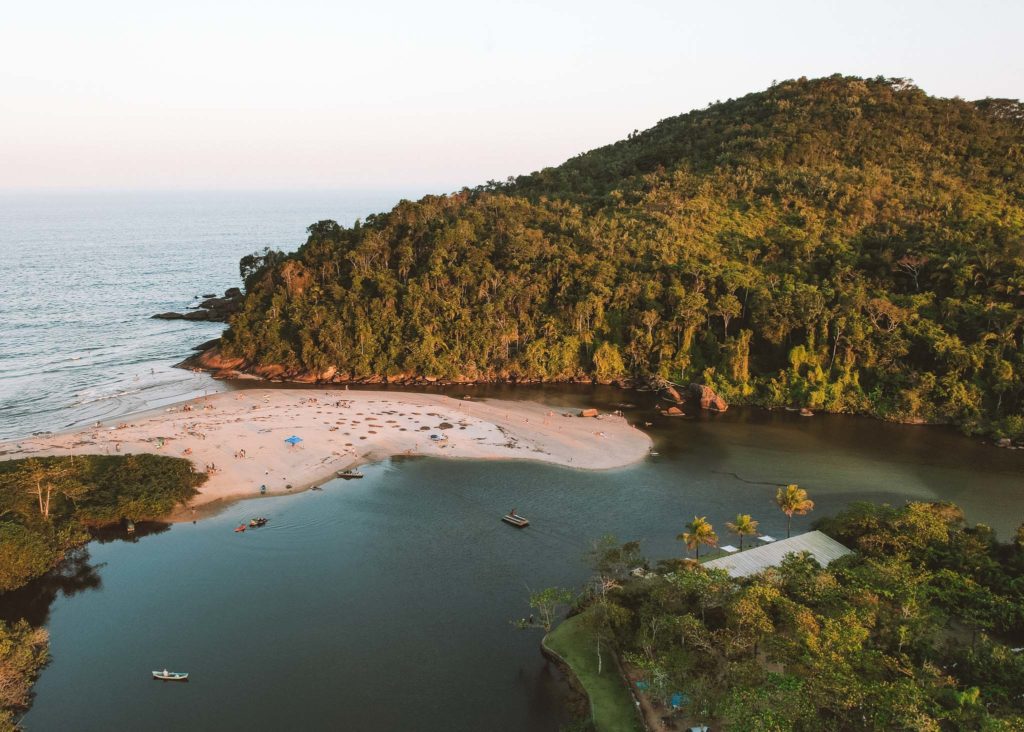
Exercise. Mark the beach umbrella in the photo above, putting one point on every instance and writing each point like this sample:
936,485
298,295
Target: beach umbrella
293,440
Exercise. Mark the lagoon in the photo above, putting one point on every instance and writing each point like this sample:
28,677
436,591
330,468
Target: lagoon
385,603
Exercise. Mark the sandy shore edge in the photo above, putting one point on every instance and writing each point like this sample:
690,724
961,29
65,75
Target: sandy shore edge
239,436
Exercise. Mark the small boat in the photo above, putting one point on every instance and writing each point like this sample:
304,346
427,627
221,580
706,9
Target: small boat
516,520
257,522
131,527
166,675
349,474
805,412
240,528
654,453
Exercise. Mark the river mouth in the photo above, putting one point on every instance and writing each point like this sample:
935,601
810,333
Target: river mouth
385,603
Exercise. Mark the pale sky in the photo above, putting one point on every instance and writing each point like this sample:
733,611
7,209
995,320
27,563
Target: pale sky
428,94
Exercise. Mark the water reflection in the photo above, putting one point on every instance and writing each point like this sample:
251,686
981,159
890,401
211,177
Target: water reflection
72,576
121,532
33,601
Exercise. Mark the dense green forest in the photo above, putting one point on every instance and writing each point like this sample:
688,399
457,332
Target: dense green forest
846,244
47,504
908,633
24,651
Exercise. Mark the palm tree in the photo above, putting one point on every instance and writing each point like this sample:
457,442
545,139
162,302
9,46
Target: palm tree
698,532
793,500
742,526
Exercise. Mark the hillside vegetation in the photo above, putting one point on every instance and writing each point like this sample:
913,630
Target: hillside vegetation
845,244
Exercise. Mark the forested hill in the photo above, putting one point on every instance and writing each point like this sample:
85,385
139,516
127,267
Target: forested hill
843,244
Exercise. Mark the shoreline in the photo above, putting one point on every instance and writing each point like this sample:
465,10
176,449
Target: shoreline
339,429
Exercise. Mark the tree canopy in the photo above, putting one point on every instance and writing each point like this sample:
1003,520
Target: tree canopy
912,631
845,244
47,504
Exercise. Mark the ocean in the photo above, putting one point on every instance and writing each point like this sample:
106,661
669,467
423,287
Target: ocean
83,273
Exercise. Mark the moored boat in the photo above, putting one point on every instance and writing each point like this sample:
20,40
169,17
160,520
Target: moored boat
257,522
166,675
515,519
349,474
240,528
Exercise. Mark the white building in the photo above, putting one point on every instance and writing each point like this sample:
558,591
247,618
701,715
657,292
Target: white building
823,548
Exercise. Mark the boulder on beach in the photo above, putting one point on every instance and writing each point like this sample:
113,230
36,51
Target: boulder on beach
708,398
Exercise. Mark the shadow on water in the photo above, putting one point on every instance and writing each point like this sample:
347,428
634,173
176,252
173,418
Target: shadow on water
120,532
32,602
74,575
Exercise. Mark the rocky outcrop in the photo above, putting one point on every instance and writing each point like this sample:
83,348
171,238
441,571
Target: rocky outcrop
708,398
669,392
213,360
212,308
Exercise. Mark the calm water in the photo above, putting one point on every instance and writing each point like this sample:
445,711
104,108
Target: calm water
384,603
83,273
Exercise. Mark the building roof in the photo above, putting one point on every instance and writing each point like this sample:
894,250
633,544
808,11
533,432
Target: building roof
823,548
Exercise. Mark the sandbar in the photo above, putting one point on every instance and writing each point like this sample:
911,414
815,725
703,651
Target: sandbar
239,437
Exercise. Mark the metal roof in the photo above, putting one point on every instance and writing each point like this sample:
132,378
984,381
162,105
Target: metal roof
751,561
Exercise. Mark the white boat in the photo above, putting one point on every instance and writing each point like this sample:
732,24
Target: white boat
166,675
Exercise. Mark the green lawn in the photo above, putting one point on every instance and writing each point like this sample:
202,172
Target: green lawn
610,702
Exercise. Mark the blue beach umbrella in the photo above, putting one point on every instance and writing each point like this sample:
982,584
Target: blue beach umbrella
293,440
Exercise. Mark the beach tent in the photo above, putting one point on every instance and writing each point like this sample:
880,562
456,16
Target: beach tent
293,440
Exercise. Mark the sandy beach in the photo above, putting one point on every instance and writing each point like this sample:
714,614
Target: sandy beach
239,437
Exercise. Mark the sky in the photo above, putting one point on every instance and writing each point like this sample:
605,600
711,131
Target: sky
434,95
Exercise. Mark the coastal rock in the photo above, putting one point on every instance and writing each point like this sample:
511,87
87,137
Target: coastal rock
669,392
213,303
271,371
708,398
207,345
673,412
213,360
212,308
588,413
